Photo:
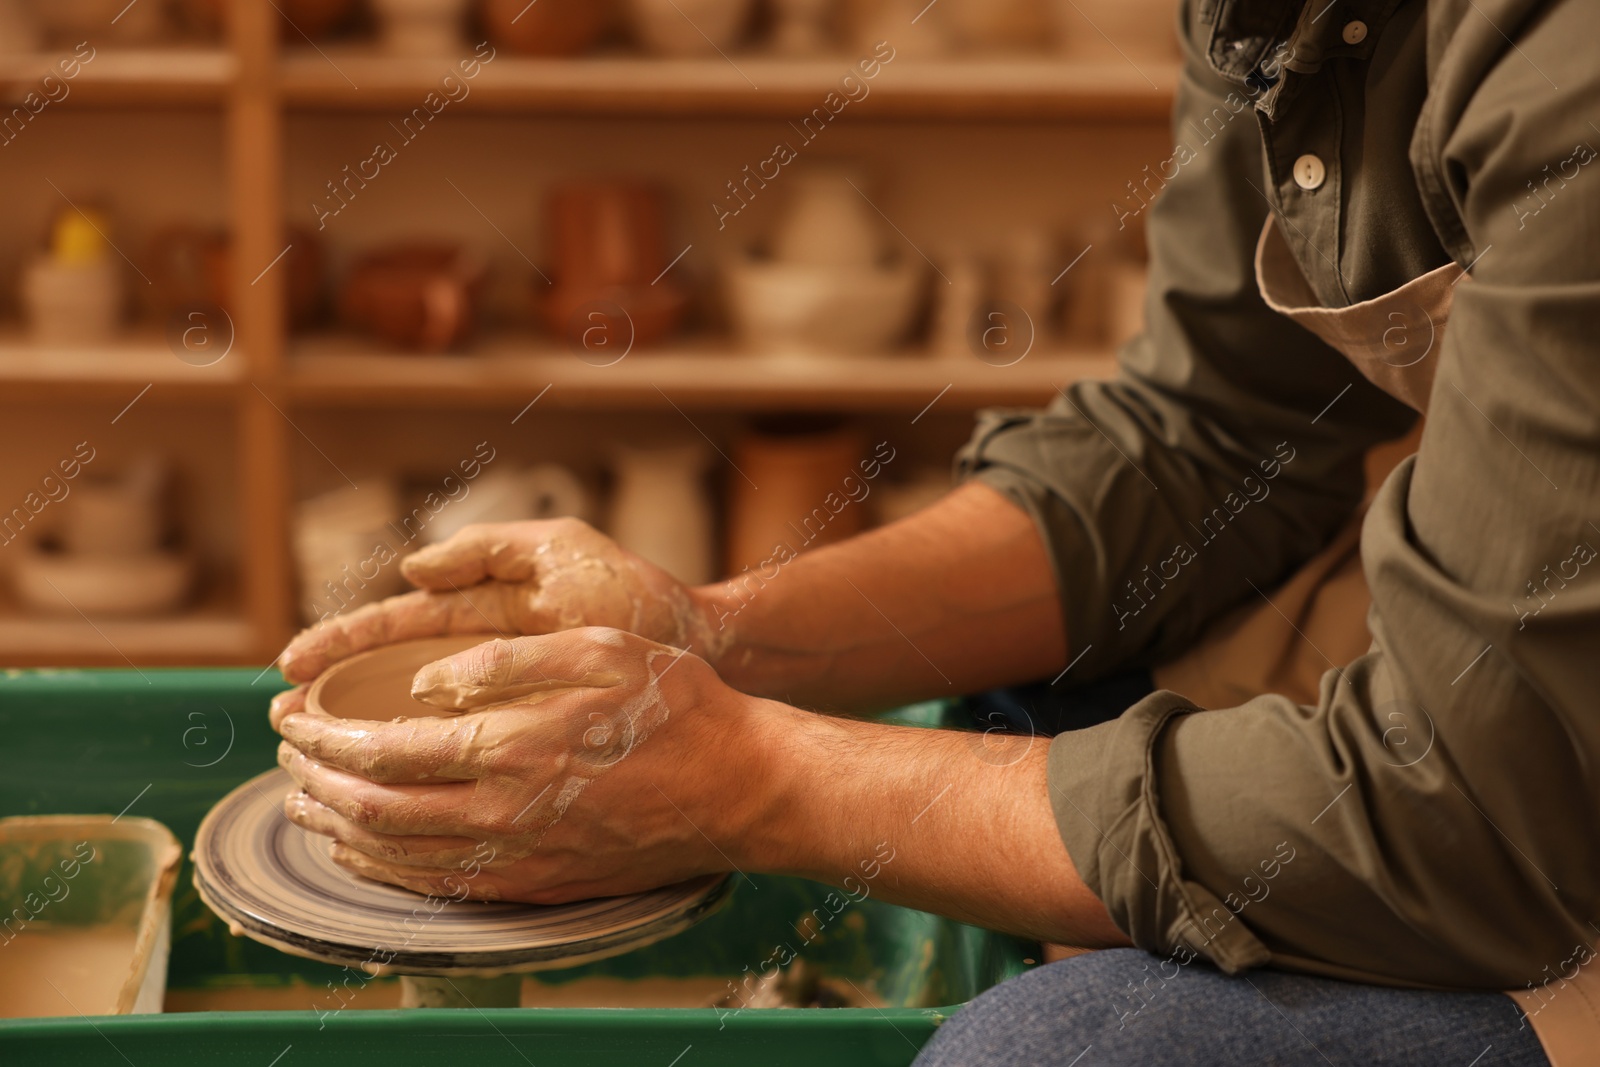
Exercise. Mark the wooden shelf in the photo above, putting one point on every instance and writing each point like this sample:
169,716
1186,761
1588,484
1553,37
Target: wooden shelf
509,372
1024,88
116,370
198,637
130,77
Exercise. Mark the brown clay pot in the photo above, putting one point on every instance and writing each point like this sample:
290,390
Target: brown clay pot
192,266
417,296
299,19
607,246
547,28
796,468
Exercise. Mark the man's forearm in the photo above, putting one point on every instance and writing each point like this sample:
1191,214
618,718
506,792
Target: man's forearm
955,823
957,598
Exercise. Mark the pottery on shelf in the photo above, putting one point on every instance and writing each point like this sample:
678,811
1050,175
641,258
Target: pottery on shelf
346,550
915,28
298,21
987,26
788,479
109,555
140,584
546,491
607,246
803,28
417,296
689,27
547,28
73,294
103,21
20,32
958,303
191,265
829,287
420,27
660,508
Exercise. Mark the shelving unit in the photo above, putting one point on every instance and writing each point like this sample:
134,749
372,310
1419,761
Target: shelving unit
291,117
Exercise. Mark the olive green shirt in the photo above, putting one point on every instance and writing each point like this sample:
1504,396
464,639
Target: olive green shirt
1435,818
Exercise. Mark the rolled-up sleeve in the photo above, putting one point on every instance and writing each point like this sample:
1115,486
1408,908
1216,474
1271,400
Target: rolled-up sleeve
1433,819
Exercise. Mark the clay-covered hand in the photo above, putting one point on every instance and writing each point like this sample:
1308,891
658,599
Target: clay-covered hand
588,762
510,578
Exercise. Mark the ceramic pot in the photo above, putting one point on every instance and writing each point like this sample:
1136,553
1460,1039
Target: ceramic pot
102,21
72,303
547,28
804,310
999,25
65,583
689,27
800,472
335,538
608,248
828,223
117,516
190,265
916,29
417,296
420,27
660,508
375,686
299,19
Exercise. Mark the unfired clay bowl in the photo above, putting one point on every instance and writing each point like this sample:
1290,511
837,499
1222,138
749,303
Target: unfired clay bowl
376,685
62,583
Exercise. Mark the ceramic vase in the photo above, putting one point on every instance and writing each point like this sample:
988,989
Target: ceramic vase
788,497
660,508
416,296
546,28
828,223
72,303
607,243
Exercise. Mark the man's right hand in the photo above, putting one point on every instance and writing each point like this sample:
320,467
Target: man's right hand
510,579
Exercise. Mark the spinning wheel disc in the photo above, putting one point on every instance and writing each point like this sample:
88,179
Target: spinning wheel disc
274,882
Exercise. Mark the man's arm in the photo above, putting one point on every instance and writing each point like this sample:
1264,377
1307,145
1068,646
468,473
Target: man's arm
957,598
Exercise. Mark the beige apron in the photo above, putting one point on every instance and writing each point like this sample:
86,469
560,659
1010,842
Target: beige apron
1317,619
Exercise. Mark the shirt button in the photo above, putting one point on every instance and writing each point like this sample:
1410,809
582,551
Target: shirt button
1309,172
1355,32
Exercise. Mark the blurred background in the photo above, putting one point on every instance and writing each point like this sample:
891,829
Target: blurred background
289,288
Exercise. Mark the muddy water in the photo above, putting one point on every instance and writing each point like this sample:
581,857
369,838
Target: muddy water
64,970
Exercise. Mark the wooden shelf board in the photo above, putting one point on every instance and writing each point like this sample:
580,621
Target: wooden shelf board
129,77
1029,88
207,636
337,371
110,370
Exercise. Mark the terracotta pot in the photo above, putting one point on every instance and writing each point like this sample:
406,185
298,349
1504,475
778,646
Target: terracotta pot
192,267
547,28
800,472
418,296
608,248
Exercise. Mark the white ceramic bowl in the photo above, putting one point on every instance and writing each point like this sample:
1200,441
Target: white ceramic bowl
785,308
149,583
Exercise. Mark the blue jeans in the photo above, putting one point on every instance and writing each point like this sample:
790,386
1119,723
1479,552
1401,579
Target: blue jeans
1126,1007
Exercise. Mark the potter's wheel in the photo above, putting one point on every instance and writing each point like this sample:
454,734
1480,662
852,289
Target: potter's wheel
275,883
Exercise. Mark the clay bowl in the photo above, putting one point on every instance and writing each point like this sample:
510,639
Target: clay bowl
142,584
416,296
376,685
796,309
547,28
609,319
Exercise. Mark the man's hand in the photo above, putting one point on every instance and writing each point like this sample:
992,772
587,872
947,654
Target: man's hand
509,578
590,762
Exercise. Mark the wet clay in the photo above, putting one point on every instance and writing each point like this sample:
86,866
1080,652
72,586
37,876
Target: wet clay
64,970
